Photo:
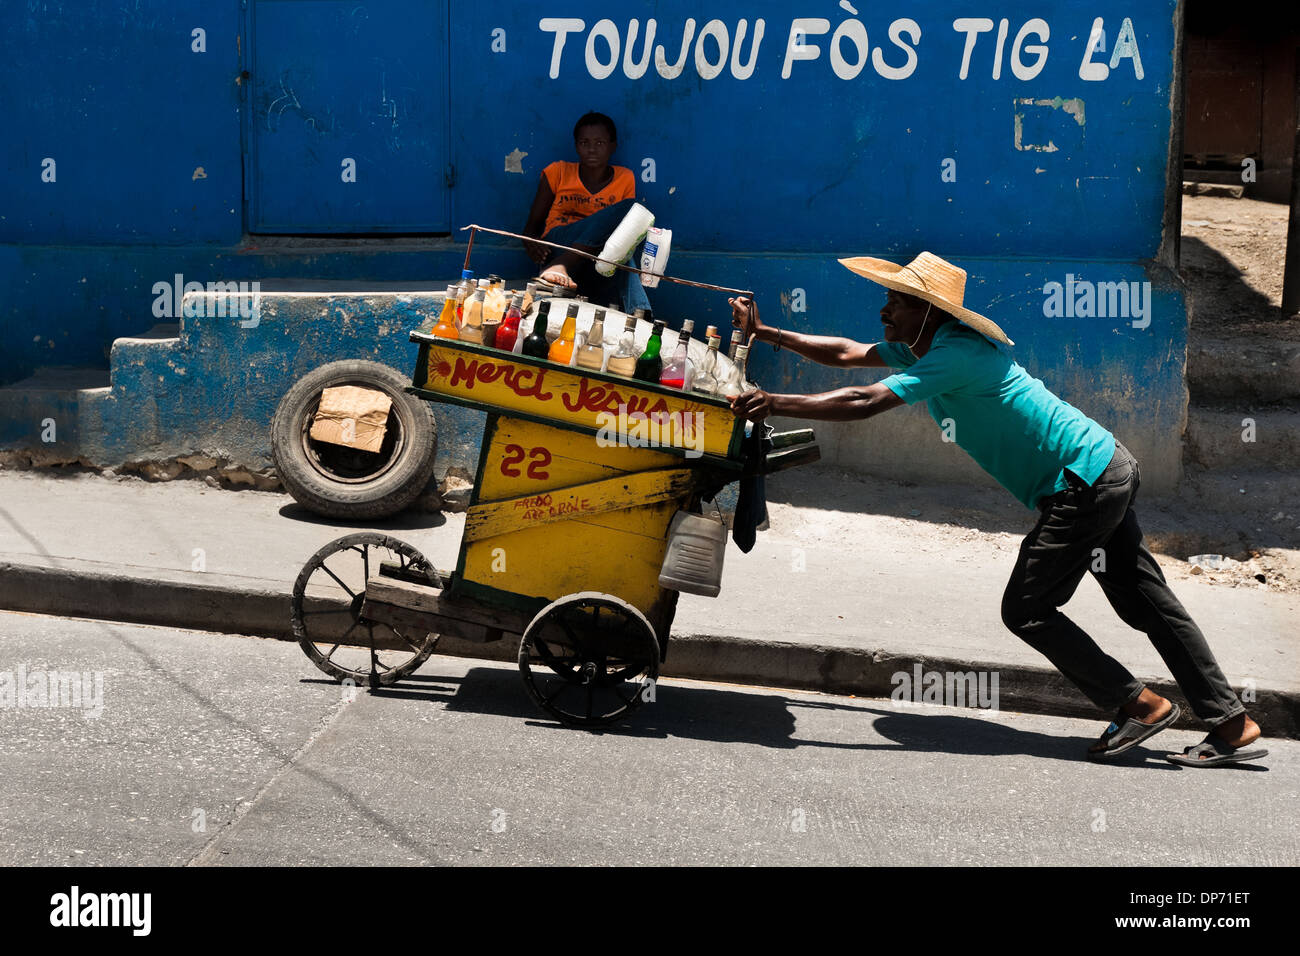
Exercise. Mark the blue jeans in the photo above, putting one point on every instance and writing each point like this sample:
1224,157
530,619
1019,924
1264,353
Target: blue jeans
1094,528
593,231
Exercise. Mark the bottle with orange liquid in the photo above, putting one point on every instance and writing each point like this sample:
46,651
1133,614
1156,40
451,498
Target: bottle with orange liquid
446,326
561,350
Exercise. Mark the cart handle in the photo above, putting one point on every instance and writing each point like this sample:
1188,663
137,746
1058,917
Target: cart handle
617,265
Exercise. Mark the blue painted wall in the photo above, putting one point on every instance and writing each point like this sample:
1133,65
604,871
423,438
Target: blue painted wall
162,153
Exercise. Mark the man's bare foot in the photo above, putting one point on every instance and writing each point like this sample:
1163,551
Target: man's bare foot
558,275
1147,708
1237,731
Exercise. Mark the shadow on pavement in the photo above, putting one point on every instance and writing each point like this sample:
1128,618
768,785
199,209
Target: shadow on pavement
765,719
408,520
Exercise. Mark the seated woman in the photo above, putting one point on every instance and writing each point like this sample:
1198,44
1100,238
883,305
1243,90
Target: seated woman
580,204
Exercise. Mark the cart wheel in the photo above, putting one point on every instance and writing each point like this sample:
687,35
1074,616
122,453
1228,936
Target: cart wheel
327,600
589,658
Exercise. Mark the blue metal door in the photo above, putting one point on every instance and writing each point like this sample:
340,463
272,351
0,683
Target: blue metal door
348,116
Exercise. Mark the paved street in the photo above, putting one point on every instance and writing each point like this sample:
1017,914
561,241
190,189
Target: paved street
217,749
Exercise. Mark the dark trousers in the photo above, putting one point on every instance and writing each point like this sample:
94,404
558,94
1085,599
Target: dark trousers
1094,529
622,289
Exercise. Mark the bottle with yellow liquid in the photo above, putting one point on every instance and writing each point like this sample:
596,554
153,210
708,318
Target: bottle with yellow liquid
446,325
592,353
494,307
464,289
623,361
471,329
561,350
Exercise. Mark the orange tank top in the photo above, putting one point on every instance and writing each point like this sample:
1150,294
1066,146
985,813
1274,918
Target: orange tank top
574,202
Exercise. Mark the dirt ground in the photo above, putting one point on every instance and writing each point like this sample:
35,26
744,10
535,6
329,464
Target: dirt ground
1233,251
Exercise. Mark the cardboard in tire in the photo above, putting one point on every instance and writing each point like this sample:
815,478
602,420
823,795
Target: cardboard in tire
349,483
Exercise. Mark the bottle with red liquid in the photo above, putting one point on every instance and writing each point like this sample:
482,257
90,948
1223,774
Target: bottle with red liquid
508,333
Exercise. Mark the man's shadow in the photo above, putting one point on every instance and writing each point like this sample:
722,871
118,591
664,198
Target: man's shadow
716,715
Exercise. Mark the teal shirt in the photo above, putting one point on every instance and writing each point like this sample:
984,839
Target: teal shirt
1003,417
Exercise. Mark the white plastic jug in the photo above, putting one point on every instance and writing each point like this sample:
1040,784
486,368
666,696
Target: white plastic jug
693,561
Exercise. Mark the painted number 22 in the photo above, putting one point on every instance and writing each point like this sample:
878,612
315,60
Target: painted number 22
515,454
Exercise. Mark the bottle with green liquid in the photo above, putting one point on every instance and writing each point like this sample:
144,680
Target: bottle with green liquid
536,345
650,365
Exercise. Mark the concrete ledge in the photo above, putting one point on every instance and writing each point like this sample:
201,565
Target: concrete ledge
233,604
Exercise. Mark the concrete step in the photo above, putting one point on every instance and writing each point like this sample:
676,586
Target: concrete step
49,411
1245,438
163,331
1246,369
61,378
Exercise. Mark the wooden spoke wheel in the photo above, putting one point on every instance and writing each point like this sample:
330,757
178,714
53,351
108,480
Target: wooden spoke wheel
327,621
589,658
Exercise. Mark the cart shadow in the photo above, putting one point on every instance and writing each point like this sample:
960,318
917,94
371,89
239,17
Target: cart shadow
764,719
408,520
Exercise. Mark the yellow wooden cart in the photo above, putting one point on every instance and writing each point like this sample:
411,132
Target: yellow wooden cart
579,476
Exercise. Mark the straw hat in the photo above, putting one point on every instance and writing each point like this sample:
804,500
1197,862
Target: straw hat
935,280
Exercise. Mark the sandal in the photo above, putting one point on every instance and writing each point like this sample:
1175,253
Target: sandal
1131,732
560,280
1218,752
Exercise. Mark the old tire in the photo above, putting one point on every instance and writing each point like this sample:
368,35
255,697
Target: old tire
340,482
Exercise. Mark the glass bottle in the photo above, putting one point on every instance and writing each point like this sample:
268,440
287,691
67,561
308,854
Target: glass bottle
464,289
649,365
734,383
736,336
623,361
509,330
561,350
446,326
536,344
530,293
674,371
706,376
592,354
612,335
471,329
494,306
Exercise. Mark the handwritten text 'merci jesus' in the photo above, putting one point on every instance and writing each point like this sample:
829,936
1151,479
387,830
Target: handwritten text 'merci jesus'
527,382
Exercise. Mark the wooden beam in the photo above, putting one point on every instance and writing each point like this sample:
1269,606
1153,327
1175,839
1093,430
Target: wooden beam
389,599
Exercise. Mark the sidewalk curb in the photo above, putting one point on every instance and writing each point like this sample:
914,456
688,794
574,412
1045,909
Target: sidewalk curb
240,605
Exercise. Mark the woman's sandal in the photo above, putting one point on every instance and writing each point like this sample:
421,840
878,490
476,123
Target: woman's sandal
1217,751
1131,733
